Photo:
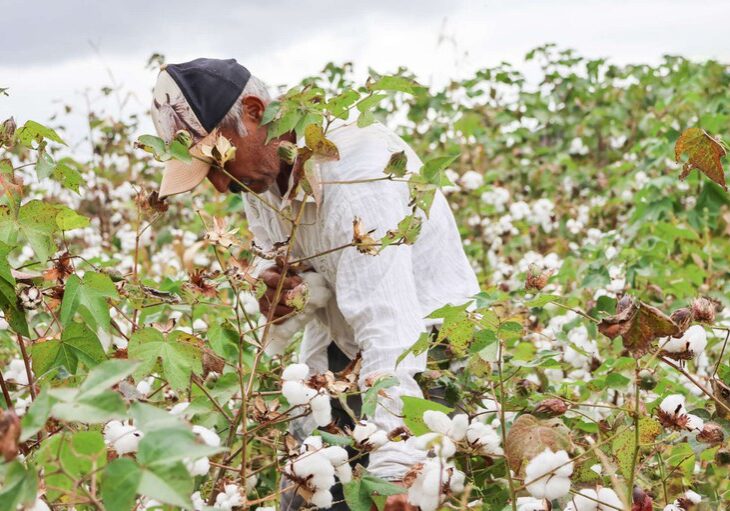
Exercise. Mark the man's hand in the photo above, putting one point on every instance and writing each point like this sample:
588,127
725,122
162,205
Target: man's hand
271,277
397,502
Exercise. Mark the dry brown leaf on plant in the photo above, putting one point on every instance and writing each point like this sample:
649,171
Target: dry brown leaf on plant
703,152
364,242
638,324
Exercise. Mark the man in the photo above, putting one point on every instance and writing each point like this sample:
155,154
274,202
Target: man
378,303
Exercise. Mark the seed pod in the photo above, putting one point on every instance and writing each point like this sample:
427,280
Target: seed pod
30,297
537,278
683,318
704,309
711,434
7,132
287,152
552,407
184,137
647,381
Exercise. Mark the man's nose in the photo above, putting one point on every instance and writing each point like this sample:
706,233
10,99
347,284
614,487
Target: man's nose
219,179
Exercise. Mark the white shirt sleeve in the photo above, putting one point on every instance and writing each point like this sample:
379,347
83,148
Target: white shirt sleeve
377,297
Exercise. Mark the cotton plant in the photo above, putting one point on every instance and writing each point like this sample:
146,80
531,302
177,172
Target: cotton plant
315,468
601,499
547,475
298,392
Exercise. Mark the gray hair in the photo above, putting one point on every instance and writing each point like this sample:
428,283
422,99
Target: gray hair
234,118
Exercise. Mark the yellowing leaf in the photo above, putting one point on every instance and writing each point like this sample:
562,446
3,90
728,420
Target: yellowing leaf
703,152
319,144
529,436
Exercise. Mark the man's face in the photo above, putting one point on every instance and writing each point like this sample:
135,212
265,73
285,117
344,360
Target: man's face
256,163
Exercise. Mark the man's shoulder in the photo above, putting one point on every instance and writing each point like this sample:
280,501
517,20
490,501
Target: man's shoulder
365,151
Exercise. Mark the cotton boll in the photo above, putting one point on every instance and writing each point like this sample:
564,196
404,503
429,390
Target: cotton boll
39,505
438,422
321,409
322,499
123,437
199,467
585,500
673,404
673,507
179,408
484,437
696,337
144,387
15,371
471,180
459,425
547,475
295,372
694,423
532,504
608,498
209,437
693,497
297,393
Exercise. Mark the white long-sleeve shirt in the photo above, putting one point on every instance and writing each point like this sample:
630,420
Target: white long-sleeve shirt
380,302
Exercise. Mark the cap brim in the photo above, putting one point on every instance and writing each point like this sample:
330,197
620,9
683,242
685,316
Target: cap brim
180,177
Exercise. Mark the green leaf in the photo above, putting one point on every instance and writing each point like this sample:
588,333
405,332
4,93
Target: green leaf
413,408
119,485
105,375
370,400
67,219
33,131
433,169
90,294
96,409
396,84
418,347
79,454
36,223
180,152
171,485
457,329
542,300
77,343
332,439
153,145
36,416
20,486
67,175
165,446
178,358
362,494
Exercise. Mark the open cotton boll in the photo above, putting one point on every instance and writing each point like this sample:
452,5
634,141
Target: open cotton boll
485,438
547,475
673,507
321,409
532,504
609,500
434,475
436,421
229,498
693,497
39,505
694,423
208,436
295,372
15,371
179,408
198,467
440,444
297,393
584,500
123,437
694,341
673,404
322,499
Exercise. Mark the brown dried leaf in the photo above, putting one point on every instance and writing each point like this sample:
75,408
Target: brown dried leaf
364,242
638,324
9,434
529,436
703,152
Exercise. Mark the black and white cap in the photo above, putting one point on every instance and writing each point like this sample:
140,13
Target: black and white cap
194,96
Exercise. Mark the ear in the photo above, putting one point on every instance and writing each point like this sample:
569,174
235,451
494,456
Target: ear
253,108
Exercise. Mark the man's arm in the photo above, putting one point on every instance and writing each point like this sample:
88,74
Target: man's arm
378,298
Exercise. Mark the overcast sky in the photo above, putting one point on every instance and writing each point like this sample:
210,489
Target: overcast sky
52,51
